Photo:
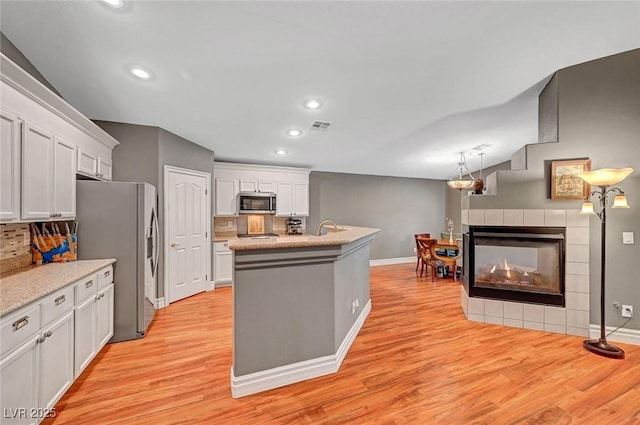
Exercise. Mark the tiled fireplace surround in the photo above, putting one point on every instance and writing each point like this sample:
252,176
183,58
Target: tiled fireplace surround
573,319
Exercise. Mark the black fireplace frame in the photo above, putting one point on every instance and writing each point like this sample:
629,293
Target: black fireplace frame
555,234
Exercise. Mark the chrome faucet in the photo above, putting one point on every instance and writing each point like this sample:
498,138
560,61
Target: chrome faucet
324,223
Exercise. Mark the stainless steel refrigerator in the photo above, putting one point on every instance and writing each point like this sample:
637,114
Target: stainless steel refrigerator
118,220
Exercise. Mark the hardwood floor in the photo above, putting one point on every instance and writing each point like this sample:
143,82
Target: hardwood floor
417,360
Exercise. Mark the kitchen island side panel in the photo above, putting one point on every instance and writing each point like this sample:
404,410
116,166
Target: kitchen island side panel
282,315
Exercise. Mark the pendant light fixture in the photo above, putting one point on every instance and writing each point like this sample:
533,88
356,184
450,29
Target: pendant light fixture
460,182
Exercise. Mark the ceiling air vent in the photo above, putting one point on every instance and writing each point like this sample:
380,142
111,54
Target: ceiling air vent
320,126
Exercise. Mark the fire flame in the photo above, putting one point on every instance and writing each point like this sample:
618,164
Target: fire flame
493,269
507,268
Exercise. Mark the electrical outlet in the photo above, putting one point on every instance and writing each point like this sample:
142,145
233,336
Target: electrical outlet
26,239
415,249
229,224
627,310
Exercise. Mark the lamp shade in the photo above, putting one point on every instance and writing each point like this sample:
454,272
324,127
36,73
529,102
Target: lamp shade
460,184
605,176
587,208
620,201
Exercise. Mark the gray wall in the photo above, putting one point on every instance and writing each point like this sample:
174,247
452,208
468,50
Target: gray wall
11,51
598,118
141,156
180,152
401,207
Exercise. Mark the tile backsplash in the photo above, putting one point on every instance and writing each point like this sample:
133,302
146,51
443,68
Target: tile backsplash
229,225
14,254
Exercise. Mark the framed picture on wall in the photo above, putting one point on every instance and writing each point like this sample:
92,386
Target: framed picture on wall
565,183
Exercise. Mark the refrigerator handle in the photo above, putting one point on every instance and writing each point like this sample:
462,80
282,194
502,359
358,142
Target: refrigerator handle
156,246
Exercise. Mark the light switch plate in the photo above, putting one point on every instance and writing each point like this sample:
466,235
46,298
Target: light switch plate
627,238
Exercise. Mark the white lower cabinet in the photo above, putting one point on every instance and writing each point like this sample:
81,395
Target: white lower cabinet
104,316
94,327
85,336
46,344
19,376
56,360
223,263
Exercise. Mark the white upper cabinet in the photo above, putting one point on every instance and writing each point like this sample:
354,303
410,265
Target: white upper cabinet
45,142
48,175
37,173
64,179
292,199
291,186
226,193
92,165
10,138
267,186
248,185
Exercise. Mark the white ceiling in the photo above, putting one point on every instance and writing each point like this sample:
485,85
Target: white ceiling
406,85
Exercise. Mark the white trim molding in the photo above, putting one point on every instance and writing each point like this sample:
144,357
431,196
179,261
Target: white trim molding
264,380
160,303
389,261
628,336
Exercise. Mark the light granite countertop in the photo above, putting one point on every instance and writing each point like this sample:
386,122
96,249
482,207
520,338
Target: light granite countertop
23,286
346,236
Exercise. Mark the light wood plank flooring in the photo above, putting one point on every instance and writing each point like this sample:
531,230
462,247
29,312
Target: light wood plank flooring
416,361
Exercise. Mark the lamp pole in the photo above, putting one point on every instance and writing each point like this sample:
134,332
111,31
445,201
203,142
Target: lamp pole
601,346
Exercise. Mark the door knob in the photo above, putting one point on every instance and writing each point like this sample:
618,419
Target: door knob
174,245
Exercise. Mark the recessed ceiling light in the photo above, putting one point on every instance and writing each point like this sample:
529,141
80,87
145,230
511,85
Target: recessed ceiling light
294,132
281,151
312,103
141,73
116,4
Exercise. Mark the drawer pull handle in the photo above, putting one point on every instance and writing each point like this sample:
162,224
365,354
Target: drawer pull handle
88,284
48,334
20,323
41,339
107,273
61,299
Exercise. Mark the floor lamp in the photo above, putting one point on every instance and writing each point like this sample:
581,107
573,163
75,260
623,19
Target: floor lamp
604,179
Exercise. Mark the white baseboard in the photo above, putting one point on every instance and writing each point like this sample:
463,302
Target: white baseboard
160,303
628,336
389,261
284,375
212,286
223,284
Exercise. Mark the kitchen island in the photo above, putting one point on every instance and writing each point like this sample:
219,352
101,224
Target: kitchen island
298,304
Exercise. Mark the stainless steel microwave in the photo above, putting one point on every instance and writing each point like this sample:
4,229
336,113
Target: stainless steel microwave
256,203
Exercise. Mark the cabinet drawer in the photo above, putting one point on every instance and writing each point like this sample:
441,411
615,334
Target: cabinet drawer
57,304
86,287
16,328
105,277
221,247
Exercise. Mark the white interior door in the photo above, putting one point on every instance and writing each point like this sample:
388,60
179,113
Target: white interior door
189,246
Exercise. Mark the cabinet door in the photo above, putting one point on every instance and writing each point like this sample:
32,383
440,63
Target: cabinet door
64,179
37,173
226,193
224,267
85,335
87,163
104,307
9,167
104,169
248,185
267,186
301,199
56,361
284,200
19,373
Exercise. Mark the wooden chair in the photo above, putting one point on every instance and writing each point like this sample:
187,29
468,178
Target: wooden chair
416,236
451,262
424,246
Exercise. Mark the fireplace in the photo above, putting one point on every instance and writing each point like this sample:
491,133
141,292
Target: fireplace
523,264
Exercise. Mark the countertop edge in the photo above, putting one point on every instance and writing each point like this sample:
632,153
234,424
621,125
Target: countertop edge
15,293
344,237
